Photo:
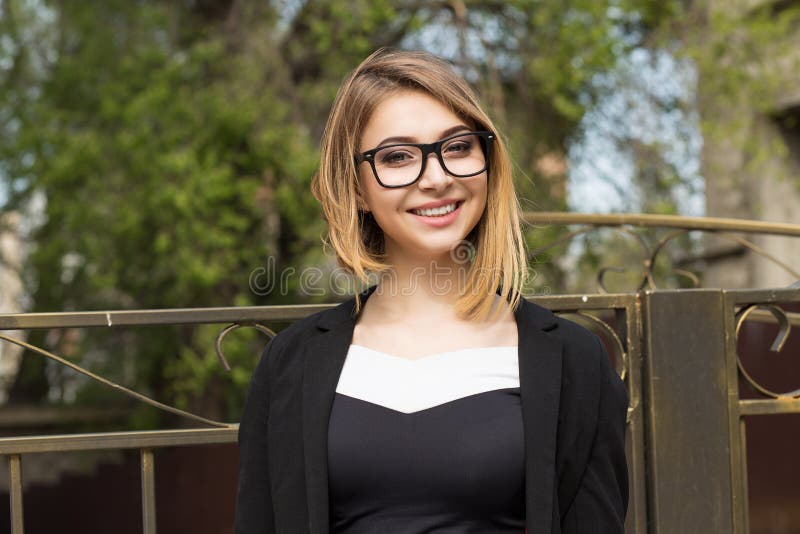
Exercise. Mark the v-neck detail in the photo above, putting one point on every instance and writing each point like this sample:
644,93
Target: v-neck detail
410,385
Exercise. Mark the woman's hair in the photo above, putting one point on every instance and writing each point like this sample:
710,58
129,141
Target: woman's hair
498,263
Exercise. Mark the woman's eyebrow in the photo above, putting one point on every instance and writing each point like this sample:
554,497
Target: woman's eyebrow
454,130
406,139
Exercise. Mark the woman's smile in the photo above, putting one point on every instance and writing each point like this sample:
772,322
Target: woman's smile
442,214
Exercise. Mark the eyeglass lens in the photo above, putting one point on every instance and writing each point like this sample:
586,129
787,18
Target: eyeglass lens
462,155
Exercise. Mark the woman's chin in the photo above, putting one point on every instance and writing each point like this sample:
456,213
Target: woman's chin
444,254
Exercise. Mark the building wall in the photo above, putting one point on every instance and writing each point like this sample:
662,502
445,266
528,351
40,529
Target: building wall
748,173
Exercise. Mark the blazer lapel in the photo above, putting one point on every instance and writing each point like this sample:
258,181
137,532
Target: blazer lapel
324,358
540,390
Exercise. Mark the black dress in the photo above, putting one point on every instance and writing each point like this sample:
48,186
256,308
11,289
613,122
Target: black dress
432,445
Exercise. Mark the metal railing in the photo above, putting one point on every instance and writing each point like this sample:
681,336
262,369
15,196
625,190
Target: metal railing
621,336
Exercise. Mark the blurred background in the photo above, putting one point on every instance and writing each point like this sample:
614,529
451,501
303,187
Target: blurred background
158,154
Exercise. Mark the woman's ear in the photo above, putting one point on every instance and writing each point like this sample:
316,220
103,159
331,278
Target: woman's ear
362,203
361,199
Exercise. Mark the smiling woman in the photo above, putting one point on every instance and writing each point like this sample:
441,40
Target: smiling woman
439,400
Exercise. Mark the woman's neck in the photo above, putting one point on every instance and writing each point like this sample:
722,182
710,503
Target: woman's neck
419,289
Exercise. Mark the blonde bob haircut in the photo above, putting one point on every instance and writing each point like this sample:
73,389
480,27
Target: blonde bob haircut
497,256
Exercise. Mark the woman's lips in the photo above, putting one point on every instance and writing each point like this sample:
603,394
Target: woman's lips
439,220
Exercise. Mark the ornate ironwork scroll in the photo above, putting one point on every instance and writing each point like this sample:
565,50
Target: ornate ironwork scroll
650,253
784,329
230,328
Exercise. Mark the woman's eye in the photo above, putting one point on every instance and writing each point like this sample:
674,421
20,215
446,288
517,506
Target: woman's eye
396,157
458,147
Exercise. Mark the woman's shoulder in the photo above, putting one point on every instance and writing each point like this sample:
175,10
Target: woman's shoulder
585,363
303,330
578,341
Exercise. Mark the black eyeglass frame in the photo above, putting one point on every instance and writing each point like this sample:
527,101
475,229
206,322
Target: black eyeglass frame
427,149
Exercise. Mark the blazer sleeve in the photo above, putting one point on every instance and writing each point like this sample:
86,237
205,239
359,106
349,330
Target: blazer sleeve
254,513
601,500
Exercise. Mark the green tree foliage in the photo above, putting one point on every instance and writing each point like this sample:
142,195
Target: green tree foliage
165,149
170,166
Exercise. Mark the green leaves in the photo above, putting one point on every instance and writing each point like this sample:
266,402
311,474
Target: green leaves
159,159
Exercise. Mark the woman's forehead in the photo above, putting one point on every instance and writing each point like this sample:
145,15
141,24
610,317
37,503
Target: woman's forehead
409,115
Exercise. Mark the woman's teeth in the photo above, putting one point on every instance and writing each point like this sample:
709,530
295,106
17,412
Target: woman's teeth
436,212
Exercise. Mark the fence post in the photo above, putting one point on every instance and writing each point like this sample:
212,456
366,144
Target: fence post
686,387
148,491
15,493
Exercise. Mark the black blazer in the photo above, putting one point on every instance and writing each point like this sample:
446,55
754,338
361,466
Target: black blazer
573,406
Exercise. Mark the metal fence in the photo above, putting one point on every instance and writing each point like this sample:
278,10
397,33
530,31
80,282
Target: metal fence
675,349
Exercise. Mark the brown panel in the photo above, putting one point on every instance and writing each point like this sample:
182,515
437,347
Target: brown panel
688,424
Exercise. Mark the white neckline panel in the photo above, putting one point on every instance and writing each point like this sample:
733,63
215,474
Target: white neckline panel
408,386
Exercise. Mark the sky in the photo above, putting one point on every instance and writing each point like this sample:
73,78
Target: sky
650,98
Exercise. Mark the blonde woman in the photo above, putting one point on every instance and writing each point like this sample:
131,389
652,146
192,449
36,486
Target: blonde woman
439,400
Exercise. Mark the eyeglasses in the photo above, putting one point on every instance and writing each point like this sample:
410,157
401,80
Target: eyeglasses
461,155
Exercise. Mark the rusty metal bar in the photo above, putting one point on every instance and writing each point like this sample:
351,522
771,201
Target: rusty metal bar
690,476
178,316
15,493
148,492
762,296
242,315
744,516
781,405
118,440
763,316
589,301
738,458
709,224
629,322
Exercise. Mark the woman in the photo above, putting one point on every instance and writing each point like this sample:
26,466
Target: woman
438,400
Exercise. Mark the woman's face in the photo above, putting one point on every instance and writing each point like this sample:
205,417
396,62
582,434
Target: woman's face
411,230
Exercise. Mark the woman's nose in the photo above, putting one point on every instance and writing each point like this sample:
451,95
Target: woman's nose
434,176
